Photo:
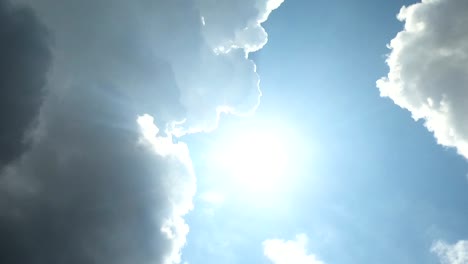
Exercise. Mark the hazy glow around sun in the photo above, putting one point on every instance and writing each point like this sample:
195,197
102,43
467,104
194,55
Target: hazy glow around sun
256,160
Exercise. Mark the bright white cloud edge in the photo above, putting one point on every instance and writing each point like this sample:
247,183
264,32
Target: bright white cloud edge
280,251
428,74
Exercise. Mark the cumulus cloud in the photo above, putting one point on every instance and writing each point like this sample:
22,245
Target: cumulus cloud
428,74
125,40
100,88
289,251
228,26
451,253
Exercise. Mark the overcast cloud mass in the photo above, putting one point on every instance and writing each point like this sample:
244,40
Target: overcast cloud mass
86,176
24,50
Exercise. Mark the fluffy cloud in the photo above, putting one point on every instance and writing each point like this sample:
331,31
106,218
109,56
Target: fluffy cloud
451,254
289,251
227,25
428,73
102,180
148,45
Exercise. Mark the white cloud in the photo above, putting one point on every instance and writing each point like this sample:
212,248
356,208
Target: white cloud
428,69
451,253
289,251
236,24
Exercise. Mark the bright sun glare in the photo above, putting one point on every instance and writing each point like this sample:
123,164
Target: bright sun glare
255,160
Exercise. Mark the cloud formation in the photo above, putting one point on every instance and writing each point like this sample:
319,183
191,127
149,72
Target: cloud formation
428,74
109,84
228,26
25,52
451,254
289,251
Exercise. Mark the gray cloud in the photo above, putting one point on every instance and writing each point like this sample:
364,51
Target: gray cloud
25,60
428,73
124,41
88,192
102,183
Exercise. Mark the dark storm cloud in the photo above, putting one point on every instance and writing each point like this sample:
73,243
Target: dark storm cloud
24,62
94,195
89,189
96,186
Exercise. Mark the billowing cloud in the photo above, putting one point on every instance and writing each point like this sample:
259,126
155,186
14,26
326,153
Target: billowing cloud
289,251
451,254
103,180
428,69
228,26
94,189
125,41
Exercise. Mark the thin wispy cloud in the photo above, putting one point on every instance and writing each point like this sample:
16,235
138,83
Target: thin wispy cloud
451,253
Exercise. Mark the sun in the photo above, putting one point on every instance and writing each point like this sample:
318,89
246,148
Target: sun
256,160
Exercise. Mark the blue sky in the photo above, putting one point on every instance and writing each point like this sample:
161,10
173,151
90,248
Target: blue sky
180,132
374,186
